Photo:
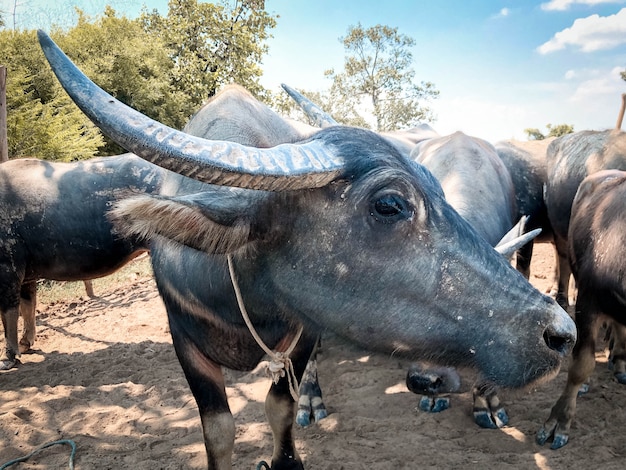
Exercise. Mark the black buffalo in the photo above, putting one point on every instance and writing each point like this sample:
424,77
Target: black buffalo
338,232
570,159
54,226
597,251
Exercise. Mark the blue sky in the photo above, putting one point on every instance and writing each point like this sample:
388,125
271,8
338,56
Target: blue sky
500,66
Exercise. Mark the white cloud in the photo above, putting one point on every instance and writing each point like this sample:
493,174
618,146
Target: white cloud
561,5
570,74
503,13
590,34
609,85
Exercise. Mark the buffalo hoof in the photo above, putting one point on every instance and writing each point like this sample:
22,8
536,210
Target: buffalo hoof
8,360
305,411
303,418
558,441
6,364
25,345
491,420
434,404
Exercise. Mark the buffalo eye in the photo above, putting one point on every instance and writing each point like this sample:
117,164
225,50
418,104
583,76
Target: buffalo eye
390,208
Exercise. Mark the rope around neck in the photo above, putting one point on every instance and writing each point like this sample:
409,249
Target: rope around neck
280,363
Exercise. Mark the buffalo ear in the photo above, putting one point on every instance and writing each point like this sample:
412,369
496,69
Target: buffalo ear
203,221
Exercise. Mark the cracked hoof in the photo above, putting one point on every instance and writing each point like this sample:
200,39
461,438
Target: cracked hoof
434,405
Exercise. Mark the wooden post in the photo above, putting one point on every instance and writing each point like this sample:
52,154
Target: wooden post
620,116
4,147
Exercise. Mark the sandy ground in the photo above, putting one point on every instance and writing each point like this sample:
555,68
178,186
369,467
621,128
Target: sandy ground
104,374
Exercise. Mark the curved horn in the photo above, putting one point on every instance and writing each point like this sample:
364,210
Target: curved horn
284,167
318,117
507,249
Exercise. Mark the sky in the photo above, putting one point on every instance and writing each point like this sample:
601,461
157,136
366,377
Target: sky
500,66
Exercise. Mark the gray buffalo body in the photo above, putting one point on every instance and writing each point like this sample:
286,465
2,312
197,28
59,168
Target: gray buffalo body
597,250
338,232
474,180
54,226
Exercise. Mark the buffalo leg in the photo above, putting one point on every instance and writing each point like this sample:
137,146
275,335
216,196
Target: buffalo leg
28,304
10,312
583,362
280,409
206,381
488,411
310,403
8,359
89,288
565,271
618,352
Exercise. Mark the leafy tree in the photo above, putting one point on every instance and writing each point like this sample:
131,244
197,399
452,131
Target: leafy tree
534,134
553,131
330,101
559,130
129,63
42,121
212,44
378,69
165,67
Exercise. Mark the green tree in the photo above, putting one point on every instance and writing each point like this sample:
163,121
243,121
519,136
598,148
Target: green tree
341,110
534,134
42,121
553,131
212,44
378,69
165,67
129,63
559,129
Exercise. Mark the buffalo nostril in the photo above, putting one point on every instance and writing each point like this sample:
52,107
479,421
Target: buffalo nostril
559,342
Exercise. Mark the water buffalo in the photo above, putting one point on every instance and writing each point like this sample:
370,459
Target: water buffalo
338,232
597,252
570,158
478,185
55,227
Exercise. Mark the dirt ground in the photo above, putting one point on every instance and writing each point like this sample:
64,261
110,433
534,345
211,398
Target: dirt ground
104,374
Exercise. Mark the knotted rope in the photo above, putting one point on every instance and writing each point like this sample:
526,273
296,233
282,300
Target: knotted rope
280,363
